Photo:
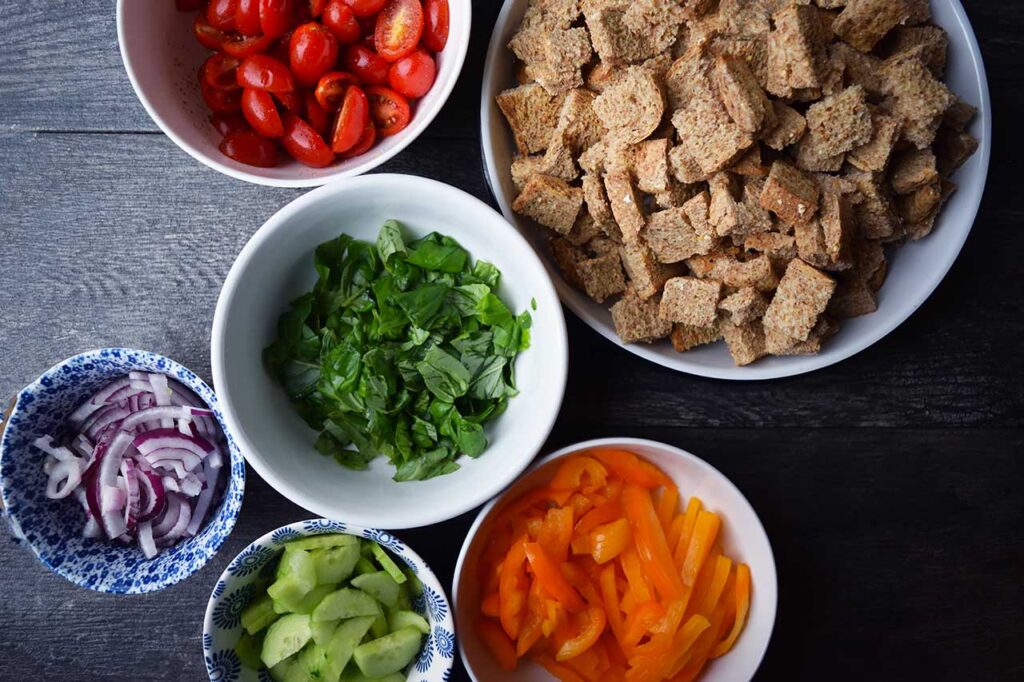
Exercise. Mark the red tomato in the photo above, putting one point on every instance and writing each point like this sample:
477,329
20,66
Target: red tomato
340,21
413,75
312,52
316,7
218,71
221,14
316,114
223,101
250,148
280,50
208,36
388,109
352,120
364,144
331,89
228,122
264,73
435,24
247,18
304,143
365,8
399,27
291,100
275,17
246,46
366,65
188,5
259,110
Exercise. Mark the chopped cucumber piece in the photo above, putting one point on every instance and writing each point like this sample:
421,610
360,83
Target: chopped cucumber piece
343,642
313,661
346,603
364,565
299,563
298,674
307,603
287,593
335,564
414,584
406,619
248,650
285,637
388,564
388,654
379,628
404,602
322,630
258,614
367,549
320,541
380,586
279,672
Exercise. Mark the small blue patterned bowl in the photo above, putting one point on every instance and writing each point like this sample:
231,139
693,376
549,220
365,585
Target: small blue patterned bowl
223,627
53,528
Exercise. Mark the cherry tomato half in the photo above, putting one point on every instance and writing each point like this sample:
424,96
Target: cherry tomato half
316,7
331,89
276,17
264,73
247,18
221,14
352,120
364,144
218,71
312,52
304,143
317,116
261,113
366,65
208,36
223,101
292,100
399,27
340,21
250,148
435,24
413,74
388,109
246,46
228,122
365,8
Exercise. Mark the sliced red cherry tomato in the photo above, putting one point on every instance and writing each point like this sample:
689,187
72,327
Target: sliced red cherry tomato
365,8
250,148
399,27
413,74
224,101
281,48
228,122
247,18
316,7
246,46
331,89
316,114
305,144
339,20
276,17
352,119
221,14
208,36
261,113
218,71
435,24
264,73
388,109
364,144
312,52
292,100
366,65
188,5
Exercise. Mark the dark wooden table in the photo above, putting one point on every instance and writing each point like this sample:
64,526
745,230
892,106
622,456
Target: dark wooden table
891,485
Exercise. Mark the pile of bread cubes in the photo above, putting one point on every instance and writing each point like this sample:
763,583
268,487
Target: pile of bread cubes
732,168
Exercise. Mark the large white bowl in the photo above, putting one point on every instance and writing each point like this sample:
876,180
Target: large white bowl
276,266
915,270
162,56
743,539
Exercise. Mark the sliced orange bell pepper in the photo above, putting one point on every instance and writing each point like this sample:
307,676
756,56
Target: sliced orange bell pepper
683,643
649,538
512,586
580,504
704,533
640,622
608,540
498,643
675,529
709,600
638,586
609,511
556,532
742,606
580,473
610,595
697,653
667,503
630,468
591,625
689,521
550,577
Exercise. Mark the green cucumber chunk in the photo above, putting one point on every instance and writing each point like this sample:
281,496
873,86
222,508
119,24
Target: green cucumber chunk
297,563
248,650
388,564
321,541
364,565
322,630
313,661
335,564
343,642
414,584
388,654
279,672
286,636
408,619
258,614
307,603
379,628
404,602
346,603
380,586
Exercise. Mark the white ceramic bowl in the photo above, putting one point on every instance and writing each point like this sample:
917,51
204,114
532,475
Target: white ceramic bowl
743,539
276,266
162,56
915,270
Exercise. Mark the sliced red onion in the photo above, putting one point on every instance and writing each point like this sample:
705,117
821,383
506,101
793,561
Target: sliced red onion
146,540
205,498
58,452
92,529
172,439
171,484
191,485
153,497
83,447
131,507
172,465
214,458
164,538
103,418
64,479
155,414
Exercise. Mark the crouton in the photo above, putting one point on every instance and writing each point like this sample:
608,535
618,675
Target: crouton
567,257
811,158
918,205
932,41
558,159
918,11
523,167
564,54
532,114
697,210
722,211
657,20
952,149
550,201
789,127
810,243
852,299
746,305
602,277
746,342
618,156
838,230
777,344
650,166
636,319
578,124
756,272
593,159
860,69
750,163
801,297
690,301
683,166
751,216
676,195
750,49
959,114
711,137
625,204
874,214
841,122
917,99
671,237
745,17
597,201
775,245
585,229
646,275
913,170
862,23
687,77
613,40
874,155
796,51
601,75
742,96
790,194
685,337
632,107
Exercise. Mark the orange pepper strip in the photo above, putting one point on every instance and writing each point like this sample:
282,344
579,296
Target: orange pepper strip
649,538
591,628
704,533
684,641
608,540
695,596
667,503
583,583
555,533
512,588
698,652
723,565
587,664
609,511
580,473
628,467
640,622
491,605
675,529
634,576
610,594
554,583
559,670
498,643
674,612
580,504
689,521
742,606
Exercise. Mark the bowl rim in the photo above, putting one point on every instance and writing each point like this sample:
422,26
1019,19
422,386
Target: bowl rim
545,295
202,558
791,365
405,137
757,531
304,529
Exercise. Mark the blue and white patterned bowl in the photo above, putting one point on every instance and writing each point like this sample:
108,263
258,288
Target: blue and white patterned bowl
53,528
223,627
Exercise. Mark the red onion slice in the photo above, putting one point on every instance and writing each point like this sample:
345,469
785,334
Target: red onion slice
146,543
131,507
205,498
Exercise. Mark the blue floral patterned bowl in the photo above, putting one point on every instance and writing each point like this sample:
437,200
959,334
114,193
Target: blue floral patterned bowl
53,528
223,627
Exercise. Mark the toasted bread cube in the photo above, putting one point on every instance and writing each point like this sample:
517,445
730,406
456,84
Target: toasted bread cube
688,76
841,122
585,229
525,166
597,201
790,194
650,166
746,342
746,305
676,195
777,344
922,203
931,40
723,211
646,275
592,160
860,69
838,230
532,114
602,277
952,149
810,243
775,245
558,159
671,237
862,23
852,299
613,40
578,125
811,158
632,107
918,12
550,201
789,127
796,51
625,204
750,163
567,257
874,156
601,75
565,52
745,17
636,319
742,95
697,210
757,272
959,114
657,20
690,301
684,167
751,216
684,337
750,49
874,214
602,245
712,138
802,296
917,99
913,170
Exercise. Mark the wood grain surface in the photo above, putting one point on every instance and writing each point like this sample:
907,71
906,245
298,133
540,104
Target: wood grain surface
891,485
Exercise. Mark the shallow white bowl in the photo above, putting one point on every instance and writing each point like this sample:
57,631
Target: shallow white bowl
743,539
276,266
162,56
915,270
